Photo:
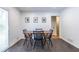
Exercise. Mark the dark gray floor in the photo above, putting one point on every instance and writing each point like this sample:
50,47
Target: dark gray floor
58,46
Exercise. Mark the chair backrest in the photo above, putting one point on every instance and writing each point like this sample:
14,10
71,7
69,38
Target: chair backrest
38,35
25,33
50,33
39,29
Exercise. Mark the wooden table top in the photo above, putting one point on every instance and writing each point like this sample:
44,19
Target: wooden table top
36,32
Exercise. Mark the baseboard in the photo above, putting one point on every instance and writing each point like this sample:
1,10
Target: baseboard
5,49
12,45
69,42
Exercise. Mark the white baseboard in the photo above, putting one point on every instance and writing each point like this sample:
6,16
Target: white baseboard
69,42
11,45
14,43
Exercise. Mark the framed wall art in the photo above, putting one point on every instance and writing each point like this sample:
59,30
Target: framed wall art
43,19
35,19
27,19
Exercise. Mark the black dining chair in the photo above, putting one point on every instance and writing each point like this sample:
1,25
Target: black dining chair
38,37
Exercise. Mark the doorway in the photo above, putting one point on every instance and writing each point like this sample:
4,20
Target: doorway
55,23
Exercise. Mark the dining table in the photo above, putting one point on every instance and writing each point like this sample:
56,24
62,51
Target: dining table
32,32
31,35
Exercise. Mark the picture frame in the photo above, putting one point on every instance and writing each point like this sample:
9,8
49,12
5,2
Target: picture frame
43,19
27,19
35,19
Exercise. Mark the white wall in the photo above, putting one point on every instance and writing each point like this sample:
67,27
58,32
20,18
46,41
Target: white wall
14,25
33,26
70,26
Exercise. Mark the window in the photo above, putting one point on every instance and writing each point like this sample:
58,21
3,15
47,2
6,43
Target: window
3,29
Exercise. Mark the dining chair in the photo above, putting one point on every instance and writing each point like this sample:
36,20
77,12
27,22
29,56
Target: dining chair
49,36
27,37
38,37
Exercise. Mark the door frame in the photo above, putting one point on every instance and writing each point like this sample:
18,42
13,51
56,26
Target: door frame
57,25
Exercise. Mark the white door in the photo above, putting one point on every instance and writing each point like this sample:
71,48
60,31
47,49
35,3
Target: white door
3,29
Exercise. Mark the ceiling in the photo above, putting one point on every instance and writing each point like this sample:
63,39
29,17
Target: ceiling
41,9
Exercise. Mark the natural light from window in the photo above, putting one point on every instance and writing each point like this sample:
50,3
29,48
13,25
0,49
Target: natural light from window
3,29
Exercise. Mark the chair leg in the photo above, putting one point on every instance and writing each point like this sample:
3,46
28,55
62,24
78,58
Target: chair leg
25,41
34,44
47,42
42,45
50,42
31,42
44,42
